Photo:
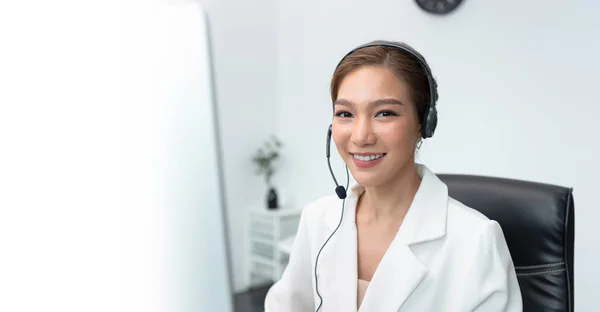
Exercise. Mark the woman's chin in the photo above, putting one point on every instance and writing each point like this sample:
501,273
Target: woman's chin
368,179
374,177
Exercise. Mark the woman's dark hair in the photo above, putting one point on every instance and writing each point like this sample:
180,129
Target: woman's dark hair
402,64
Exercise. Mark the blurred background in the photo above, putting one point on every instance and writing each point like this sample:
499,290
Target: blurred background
131,171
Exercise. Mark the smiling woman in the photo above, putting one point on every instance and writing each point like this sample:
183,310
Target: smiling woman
404,244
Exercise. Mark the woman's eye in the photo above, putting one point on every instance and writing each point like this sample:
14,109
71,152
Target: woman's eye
343,114
387,113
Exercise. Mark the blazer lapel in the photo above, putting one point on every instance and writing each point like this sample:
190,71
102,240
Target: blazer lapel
398,275
400,271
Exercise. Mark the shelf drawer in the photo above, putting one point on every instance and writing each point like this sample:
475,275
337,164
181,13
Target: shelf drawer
260,280
261,271
288,226
261,233
262,249
264,225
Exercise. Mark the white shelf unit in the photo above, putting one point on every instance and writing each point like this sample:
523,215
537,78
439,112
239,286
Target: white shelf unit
266,230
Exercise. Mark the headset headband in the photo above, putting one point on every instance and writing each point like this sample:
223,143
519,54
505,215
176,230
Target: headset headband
408,49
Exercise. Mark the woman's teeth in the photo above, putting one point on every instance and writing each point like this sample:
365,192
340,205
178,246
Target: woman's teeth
368,157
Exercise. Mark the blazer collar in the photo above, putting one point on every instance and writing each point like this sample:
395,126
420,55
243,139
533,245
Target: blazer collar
425,219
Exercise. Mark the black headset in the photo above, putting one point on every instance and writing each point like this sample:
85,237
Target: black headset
428,126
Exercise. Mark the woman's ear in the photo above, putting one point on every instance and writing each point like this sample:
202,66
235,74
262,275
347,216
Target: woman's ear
418,132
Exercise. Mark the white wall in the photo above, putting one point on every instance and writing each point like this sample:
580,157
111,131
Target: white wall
245,60
516,82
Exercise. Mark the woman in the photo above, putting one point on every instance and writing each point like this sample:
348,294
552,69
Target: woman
402,244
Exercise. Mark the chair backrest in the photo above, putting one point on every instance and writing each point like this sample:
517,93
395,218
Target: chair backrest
538,223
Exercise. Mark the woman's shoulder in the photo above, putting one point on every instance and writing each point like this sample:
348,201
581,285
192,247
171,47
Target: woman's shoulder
462,212
466,222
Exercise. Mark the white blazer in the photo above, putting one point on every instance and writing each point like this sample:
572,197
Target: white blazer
445,257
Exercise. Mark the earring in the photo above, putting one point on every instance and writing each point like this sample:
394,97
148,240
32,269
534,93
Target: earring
419,143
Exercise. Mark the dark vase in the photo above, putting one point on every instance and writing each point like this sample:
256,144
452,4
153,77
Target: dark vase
272,202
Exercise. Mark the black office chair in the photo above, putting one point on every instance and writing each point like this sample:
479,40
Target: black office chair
538,223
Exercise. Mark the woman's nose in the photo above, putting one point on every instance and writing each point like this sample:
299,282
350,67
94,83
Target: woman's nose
362,132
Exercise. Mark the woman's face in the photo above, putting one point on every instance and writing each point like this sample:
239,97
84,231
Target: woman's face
375,126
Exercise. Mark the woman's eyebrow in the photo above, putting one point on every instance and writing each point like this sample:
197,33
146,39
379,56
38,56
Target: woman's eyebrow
385,101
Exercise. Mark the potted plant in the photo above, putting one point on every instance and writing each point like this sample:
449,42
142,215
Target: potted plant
265,160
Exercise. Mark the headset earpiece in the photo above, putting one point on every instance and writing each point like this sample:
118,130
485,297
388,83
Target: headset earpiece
430,117
429,122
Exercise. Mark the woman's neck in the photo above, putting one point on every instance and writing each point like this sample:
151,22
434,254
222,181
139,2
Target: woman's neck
390,202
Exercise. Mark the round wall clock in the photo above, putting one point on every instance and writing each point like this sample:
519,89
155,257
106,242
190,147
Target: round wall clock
438,6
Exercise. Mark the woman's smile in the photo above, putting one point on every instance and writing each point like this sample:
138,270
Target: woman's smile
365,160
